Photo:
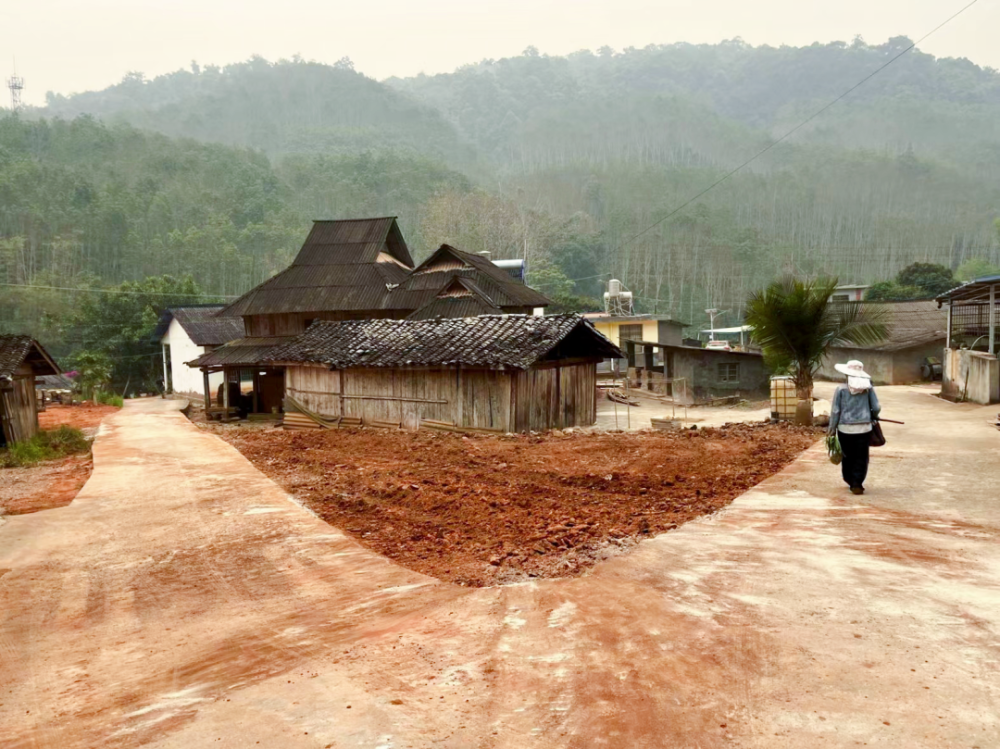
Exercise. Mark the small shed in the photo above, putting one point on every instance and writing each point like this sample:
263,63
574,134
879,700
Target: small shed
690,374
503,373
22,359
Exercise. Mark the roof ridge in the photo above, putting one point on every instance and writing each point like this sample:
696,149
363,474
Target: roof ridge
349,220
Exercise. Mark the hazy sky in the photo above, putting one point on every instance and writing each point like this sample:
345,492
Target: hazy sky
76,45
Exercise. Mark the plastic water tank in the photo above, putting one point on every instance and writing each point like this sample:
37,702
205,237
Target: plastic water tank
783,398
614,287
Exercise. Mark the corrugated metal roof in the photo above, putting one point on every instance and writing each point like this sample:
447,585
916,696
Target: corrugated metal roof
16,349
245,352
977,290
202,324
494,341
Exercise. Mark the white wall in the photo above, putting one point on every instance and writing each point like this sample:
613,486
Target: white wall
182,349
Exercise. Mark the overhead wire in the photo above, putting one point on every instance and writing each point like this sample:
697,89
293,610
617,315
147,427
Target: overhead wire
795,129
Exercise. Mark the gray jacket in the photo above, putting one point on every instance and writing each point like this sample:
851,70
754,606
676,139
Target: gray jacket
845,408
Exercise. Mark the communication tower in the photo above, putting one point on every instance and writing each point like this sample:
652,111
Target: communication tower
16,85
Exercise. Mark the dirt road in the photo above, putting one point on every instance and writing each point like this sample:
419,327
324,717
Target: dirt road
182,600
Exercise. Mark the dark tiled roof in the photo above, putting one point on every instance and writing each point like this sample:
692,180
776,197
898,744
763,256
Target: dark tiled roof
16,349
245,352
495,342
202,324
911,324
423,283
460,306
337,269
461,298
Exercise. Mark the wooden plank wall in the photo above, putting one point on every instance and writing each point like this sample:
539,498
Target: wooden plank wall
555,397
20,415
538,399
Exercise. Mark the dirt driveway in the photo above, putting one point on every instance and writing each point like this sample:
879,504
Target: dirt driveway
183,600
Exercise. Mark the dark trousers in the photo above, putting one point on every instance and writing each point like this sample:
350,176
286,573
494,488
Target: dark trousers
854,466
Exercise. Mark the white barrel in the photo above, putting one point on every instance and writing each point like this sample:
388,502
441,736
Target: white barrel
614,287
783,398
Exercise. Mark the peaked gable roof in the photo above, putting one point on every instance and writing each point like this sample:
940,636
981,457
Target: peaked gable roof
345,265
492,341
460,298
15,350
422,285
202,323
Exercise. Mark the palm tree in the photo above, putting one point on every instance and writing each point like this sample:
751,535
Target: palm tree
795,325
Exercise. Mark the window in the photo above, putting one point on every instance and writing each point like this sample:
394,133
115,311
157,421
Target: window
729,373
840,298
630,333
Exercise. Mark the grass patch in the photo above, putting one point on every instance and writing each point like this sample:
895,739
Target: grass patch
109,399
48,445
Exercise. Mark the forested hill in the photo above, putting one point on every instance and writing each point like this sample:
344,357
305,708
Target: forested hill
948,107
288,107
575,162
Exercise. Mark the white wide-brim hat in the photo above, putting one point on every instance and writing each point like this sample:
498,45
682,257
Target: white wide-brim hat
853,368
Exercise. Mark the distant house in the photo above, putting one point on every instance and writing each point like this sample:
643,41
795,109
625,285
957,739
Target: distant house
356,269
22,359
653,328
849,293
185,333
502,373
916,331
691,374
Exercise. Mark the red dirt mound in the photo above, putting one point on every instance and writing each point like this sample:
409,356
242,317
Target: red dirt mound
84,415
479,510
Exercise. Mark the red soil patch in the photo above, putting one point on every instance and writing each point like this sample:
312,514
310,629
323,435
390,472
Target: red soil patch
44,487
480,510
84,415
55,483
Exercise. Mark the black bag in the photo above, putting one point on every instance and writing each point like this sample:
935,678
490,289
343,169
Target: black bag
876,438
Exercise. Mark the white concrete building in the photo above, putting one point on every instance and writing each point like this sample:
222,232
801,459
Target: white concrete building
185,333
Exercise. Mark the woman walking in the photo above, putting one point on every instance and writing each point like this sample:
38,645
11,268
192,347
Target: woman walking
854,408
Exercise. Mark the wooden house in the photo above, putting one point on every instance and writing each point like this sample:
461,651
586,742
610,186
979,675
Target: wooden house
511,373
357,269
22,359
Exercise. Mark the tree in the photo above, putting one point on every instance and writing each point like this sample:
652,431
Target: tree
890,291
115,330
975,267
795,326
930,278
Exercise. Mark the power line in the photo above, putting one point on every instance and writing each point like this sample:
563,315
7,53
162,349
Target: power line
119,291
798,127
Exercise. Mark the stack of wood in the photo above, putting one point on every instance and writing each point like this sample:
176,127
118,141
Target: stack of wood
618,396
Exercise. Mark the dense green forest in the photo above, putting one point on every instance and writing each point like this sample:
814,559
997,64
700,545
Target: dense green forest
568,161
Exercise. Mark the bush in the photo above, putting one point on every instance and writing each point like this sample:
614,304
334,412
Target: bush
108,399
49,445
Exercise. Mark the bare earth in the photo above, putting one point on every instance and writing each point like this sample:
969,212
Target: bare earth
482,510
55,483
184,600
